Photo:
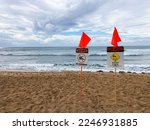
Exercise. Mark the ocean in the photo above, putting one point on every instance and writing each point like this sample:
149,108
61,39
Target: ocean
136,59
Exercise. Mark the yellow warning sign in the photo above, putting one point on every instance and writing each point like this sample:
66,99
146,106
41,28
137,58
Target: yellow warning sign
115,57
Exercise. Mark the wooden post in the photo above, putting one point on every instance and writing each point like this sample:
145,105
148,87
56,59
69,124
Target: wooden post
115,86
81,82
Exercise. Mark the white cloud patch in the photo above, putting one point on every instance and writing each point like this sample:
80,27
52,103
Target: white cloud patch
61,22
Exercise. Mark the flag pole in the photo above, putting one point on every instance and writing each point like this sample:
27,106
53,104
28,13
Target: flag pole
115,86
81,82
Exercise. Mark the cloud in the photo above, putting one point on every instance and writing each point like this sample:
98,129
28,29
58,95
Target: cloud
45,22
65,17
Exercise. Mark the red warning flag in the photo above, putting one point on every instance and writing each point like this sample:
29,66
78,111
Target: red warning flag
115,38
85,39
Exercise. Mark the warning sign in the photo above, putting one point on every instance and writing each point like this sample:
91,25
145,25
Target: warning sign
82,56
115,57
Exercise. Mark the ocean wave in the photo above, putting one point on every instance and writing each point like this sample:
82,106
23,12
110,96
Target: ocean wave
64,65
49,55
90,65
44,65
37,54
97,54
71,67
134,54
91,55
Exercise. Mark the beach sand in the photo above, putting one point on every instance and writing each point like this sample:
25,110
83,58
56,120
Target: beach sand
60,92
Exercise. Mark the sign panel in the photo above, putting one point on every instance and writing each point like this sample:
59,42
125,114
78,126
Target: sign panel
115,57
82,56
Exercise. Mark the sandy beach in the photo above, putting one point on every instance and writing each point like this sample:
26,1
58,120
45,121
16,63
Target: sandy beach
60,92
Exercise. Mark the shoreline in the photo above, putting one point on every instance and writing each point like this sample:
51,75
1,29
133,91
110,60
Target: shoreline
59,71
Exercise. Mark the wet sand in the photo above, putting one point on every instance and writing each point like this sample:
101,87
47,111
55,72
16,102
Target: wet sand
60,92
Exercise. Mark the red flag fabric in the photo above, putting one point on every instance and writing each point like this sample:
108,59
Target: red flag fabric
85,39
115,38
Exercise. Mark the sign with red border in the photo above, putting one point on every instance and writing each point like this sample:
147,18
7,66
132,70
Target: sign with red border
81,56
115,57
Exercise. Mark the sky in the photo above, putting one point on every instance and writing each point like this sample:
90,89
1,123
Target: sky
61,22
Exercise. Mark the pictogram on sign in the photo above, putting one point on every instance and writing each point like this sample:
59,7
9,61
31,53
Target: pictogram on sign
115,57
